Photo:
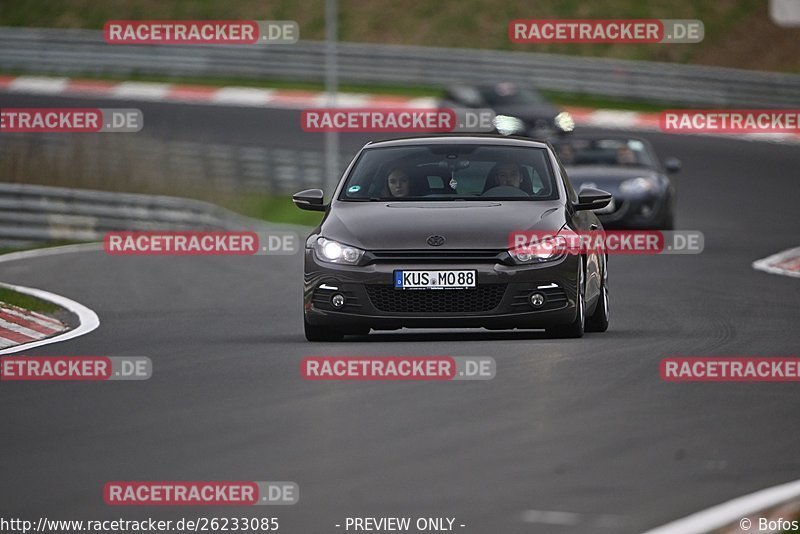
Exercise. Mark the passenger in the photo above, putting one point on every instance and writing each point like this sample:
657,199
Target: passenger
508,174
566,154
398,183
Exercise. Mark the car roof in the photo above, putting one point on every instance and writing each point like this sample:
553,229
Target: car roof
599,137
469,139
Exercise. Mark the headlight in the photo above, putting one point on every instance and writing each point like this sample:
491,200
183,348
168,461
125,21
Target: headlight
564,122
507,125
637,185
542,251
333,252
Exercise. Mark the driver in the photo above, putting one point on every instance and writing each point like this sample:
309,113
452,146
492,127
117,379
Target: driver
626,156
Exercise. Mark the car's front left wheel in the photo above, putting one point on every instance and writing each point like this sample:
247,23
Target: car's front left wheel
321,333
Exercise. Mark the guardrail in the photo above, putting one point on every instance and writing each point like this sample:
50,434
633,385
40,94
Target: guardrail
53,51
162,166
34,213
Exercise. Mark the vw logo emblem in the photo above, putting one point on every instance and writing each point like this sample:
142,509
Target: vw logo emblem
436,240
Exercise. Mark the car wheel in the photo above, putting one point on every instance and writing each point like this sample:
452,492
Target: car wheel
321,333
598,321
668,221
575,328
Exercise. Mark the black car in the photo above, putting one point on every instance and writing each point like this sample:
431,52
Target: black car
628,168
518,110
417,235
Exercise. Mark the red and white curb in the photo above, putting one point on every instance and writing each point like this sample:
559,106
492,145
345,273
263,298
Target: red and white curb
18,325
300,99
22,329
740,512
786,263
195,94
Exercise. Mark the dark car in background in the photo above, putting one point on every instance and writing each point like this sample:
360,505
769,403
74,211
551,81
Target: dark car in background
628,168
519,110
417,235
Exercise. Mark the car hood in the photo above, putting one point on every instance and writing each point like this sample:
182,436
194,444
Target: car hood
464,224
606,177
528,112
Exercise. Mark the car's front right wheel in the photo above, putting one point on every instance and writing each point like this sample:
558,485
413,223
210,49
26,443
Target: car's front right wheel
575,328
598,321
321,333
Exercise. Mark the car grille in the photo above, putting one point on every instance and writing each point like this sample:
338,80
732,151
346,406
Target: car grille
436,255
481,299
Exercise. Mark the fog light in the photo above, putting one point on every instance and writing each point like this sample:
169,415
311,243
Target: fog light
337,300
537,300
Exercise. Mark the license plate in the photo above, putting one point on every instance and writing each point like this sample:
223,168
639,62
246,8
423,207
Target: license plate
435,279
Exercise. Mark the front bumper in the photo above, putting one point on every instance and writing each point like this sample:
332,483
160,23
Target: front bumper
500,300
635,212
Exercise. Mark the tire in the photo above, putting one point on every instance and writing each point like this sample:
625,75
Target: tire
357,331
669,222
321,333
598,321
575,328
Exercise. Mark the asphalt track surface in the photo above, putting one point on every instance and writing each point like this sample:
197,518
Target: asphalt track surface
581,426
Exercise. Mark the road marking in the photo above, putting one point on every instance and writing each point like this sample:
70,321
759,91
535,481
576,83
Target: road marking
732,511
40,85
549,517
88,319
141,90
571,519
786,263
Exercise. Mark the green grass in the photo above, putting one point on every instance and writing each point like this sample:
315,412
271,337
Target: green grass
600,102
28,302
44,244
277,209
448,23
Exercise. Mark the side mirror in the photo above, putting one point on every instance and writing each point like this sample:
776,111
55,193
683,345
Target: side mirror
672,164
310,199
592,199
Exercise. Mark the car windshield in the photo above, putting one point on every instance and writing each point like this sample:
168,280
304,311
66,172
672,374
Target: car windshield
510,94
622,152
451,172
